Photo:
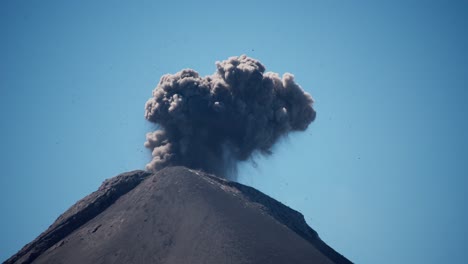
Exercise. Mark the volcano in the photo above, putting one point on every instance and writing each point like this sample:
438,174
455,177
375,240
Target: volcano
177,216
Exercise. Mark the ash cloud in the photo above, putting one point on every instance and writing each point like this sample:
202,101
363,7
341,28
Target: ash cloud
211,123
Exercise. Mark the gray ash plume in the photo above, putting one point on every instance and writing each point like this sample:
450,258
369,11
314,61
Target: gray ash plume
211,123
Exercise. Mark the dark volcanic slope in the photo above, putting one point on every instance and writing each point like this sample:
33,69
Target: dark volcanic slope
177,216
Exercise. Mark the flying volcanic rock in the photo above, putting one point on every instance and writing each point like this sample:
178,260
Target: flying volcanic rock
176,216
211,123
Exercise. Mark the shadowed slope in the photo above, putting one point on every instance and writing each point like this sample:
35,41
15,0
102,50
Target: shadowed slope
182,216
80,213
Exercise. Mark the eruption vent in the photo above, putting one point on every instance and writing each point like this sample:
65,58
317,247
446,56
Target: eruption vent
212,122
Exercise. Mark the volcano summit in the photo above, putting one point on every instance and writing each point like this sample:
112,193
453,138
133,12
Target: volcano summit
177,215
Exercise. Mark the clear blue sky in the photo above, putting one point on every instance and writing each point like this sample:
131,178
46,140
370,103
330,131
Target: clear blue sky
381,174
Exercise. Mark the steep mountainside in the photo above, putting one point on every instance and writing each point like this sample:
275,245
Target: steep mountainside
177,215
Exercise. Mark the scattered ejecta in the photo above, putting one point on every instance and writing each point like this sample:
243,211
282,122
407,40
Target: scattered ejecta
181,210
211,123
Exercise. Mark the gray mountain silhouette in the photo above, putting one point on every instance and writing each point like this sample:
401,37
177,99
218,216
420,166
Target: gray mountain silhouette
174,216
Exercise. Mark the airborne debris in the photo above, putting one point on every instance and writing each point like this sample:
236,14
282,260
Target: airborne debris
211,123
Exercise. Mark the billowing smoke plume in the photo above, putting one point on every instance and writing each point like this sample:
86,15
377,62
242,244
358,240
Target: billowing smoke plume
212,122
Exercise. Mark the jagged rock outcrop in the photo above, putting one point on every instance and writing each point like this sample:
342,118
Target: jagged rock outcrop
177,215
